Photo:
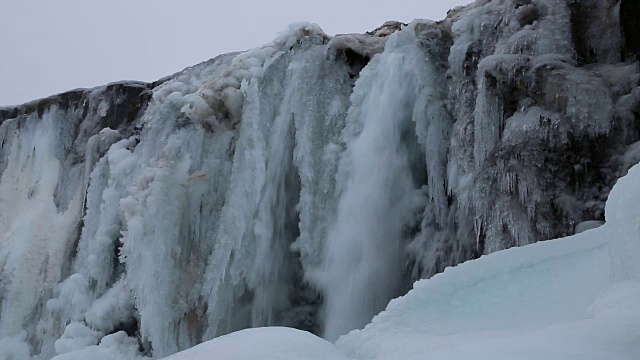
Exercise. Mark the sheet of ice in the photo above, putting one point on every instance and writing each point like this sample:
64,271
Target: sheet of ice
587,225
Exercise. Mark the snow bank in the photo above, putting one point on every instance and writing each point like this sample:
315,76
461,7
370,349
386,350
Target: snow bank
263,344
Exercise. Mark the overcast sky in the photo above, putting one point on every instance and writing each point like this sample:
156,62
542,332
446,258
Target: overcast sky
47,47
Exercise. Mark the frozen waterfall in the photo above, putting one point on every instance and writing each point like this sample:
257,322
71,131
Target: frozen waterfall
308,182
362,260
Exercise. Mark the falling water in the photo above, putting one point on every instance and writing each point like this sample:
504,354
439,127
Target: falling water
303,183
363,262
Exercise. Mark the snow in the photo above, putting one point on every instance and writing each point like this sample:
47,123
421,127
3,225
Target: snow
15,347
263,344
361,44
111,309
588,225
631,156
116,346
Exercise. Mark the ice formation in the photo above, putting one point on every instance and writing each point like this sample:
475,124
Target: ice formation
307,182
570,298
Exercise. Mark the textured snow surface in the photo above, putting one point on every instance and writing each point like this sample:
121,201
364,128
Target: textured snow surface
308,182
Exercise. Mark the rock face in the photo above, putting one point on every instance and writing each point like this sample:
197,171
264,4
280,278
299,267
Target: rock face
309,181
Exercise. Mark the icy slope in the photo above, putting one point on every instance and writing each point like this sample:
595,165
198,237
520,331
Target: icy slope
571,298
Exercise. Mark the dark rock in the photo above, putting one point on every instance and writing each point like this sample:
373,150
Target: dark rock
630,22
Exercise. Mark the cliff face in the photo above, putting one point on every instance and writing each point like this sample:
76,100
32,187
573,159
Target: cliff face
309,181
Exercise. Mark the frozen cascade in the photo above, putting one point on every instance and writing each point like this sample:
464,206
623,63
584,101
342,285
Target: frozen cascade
307,182
363,266
276,218
36,236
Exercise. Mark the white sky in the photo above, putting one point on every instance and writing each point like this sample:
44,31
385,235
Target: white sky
47,46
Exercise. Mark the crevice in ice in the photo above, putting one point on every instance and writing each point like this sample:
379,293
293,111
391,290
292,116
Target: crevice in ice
595,30
630,21
579,24
356,62
527,13
356,50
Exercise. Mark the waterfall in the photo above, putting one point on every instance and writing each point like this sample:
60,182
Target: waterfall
307,182
362,263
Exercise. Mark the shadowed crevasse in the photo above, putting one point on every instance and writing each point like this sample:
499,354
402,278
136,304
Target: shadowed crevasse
630,19
208,201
